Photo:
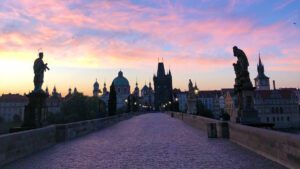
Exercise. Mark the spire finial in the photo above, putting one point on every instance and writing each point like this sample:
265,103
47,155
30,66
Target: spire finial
259,59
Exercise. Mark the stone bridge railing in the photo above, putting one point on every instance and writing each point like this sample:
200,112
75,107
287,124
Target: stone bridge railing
283,148
17,145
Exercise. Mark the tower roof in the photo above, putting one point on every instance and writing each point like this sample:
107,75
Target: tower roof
120,80
96,84
161,69
260,69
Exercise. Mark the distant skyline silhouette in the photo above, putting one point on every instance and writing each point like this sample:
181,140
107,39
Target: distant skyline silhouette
88,40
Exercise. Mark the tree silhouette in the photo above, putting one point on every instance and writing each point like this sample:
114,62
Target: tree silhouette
112,101
203,111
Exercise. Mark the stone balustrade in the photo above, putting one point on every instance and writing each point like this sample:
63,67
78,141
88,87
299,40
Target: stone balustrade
283,148
14,146
17,145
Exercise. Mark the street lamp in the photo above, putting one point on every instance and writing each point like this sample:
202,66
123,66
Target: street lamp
176,99
126,100
196,91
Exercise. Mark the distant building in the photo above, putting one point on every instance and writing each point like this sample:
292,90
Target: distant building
147,96
136,91
122,90
182,101
262,82
69,95
297,92
279,107
162,86
11,106
54,102
105,95
210,99
96,89
230,101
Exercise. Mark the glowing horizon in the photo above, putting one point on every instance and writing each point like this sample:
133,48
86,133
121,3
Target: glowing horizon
88,40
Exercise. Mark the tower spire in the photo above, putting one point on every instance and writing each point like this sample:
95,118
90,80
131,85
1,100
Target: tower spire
259,62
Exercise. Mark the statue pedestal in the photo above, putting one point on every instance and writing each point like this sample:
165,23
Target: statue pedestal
191,104
247,114
35,112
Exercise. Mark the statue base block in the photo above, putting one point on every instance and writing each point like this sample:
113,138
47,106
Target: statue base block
247,114
35,112
192,106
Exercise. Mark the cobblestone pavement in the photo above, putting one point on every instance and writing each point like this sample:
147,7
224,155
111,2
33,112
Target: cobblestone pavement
147,141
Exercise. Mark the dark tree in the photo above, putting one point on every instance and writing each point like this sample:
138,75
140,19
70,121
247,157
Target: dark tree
75,109
112,101
203,111
93,107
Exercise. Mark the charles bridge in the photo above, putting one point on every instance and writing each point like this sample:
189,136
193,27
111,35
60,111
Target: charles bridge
152,140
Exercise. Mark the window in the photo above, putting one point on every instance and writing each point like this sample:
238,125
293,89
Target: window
273,119
287,118
267,119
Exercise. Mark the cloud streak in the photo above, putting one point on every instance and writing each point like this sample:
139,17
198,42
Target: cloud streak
107,34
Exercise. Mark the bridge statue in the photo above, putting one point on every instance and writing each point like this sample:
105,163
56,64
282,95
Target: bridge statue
36,112
39,68
244,89
192,99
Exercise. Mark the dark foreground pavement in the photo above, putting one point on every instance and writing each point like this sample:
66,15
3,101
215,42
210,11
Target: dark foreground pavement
146,141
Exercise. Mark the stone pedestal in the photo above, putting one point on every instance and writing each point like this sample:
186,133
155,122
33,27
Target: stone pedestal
35,112
246,112
192,106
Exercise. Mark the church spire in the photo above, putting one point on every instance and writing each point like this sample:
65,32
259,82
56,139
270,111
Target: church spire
260,67
259,62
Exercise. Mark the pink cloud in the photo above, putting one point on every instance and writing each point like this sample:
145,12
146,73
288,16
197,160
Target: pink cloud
195,41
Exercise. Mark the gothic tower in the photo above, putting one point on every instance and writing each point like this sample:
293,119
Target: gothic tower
96,90
136,91
162,86
262,82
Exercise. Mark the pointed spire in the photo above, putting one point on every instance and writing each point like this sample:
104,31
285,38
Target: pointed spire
75,90
259,62
47,90
54,92
196,87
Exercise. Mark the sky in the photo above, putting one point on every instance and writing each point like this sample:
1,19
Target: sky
85,40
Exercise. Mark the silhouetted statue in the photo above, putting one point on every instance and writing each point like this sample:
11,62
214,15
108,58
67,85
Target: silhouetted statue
242,80
39,68
244,89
